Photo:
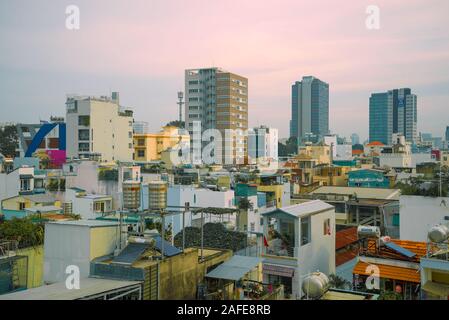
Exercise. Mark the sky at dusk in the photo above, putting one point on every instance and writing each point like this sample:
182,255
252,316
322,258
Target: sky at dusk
141,48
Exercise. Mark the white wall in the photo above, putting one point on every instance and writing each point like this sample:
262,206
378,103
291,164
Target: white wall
70,244
64,246
418,214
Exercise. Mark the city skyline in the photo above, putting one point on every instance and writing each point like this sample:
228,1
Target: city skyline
42,61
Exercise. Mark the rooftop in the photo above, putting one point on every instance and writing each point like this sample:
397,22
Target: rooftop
86,223
59,291
362,193
303,209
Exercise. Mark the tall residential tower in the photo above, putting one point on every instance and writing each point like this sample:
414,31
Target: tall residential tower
310,108
218,99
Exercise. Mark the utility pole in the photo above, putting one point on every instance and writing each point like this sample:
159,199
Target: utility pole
180,103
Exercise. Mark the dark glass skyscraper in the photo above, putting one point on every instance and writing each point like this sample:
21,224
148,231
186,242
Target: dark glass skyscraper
310,108
391,112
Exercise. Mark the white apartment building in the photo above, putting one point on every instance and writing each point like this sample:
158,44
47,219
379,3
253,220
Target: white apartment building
262,145
178,195
217,99
399,155
310,230
99,126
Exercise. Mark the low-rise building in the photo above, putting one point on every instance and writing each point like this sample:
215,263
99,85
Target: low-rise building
301,240
150,146
396,263
25,205
367,206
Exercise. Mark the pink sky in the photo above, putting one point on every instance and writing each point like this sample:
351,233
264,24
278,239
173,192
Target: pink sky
273,43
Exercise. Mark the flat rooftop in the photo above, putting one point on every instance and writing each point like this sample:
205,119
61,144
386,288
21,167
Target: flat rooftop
59,291
362,193
86,223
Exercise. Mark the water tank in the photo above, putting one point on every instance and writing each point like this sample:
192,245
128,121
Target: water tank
157,194
131,195
315,285
368,232
67,207
438,233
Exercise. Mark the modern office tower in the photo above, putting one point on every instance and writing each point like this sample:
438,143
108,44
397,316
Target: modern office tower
262,145
355,139
98,127
310,108
447,133
391,112
217,99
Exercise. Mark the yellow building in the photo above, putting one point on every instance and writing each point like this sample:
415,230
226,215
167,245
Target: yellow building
149,146
331,176
23,205
320,152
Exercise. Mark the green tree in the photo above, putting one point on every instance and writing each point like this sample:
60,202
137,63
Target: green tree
23,230
176,123
339,282
9,141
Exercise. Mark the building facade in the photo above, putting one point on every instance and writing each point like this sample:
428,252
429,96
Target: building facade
217,99
99,126
310,108
391,112
149,146
262,145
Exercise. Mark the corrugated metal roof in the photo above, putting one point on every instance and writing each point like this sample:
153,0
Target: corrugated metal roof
390,272
303,209
235,268
362,193
345,237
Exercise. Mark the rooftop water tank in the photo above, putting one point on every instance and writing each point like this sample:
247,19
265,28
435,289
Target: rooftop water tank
438,233
157,194
315,285
368,232
131,195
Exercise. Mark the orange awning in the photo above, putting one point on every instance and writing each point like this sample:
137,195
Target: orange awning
390,272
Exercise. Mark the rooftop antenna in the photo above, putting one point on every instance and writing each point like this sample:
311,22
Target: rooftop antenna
180,103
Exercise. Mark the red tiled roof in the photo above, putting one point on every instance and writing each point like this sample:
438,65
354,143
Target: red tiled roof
344,256
375,143
345,237
357,152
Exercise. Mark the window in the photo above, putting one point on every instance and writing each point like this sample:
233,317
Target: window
21,206
25,185
327,227
83,135
83,147
130,145
252,227
140,153
130,134
305,230
84,121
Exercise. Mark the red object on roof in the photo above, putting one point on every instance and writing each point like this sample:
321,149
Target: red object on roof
375,143
344,256
357,152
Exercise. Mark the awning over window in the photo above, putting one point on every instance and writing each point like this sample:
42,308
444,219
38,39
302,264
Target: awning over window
235,268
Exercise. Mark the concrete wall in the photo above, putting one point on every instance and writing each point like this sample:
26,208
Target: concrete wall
75,245
181,274
418,214
35,265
